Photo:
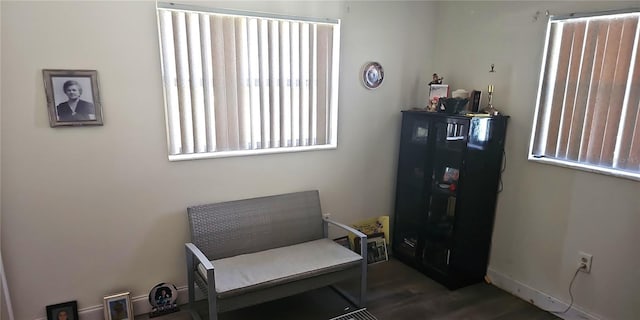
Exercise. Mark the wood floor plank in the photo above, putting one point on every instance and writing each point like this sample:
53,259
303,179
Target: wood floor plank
526,313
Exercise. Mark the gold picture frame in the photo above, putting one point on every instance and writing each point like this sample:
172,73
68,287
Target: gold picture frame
118,307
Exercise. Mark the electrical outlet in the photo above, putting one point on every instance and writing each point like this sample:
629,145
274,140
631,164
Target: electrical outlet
585,259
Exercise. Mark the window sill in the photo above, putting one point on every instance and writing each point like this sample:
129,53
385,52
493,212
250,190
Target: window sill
242,153
588,168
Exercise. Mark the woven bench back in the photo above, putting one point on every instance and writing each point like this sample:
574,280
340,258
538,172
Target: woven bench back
232,228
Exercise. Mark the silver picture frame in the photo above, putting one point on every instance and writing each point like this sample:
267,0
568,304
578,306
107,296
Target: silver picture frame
73,97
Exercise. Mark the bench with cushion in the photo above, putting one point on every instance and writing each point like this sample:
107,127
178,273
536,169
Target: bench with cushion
262,249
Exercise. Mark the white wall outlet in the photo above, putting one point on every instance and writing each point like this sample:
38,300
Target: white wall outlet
585,259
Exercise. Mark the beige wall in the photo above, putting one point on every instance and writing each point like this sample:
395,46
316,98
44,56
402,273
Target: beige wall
3,307
546,214
97,210
92,211
4,314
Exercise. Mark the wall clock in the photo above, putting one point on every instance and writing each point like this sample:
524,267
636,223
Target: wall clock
372,75
163,299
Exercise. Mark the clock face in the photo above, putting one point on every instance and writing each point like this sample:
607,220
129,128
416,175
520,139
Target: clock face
163,295
372,75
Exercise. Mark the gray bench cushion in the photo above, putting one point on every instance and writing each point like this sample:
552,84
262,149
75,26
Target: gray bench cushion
239,274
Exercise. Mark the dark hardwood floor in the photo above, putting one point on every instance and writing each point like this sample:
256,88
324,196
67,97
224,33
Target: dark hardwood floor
396,292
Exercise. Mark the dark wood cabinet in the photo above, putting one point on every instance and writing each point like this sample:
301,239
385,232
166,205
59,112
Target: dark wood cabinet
447,184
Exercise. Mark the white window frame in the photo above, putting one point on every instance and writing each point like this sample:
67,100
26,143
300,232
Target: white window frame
539,121
324,142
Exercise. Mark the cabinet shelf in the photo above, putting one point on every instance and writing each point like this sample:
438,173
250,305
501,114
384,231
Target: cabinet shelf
439,234
438,190
449,147
449,227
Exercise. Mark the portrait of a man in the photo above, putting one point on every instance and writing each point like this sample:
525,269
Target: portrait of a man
72,97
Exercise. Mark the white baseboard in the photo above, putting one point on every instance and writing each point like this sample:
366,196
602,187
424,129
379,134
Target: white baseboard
140,305
537,297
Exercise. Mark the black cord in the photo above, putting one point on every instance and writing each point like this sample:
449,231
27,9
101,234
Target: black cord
570,293
504,161
504,167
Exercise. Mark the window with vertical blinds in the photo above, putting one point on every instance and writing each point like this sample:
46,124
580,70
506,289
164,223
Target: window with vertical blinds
239,83
588,108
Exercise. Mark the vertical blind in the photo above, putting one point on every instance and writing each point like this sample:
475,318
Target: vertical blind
243,82
589,99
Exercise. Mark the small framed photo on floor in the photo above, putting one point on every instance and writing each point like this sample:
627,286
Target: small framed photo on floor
73,98
118,307
63,311
376,248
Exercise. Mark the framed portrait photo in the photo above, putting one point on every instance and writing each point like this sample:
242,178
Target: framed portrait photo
438,91
73,98
63,311
376,248
118,307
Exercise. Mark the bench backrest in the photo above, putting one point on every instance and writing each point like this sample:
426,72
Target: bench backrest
232,228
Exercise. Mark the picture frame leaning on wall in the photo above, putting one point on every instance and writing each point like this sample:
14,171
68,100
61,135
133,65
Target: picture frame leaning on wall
73,97
66,310
376,248
118,307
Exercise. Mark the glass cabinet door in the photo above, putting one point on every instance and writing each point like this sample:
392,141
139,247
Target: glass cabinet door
447,154
410,204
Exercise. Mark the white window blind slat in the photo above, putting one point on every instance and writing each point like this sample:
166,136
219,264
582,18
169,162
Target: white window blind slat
219,81
285,83
274,92
313,86
231,83
323,48
254,84
265,111
207,74
242,64
295,84
629,141
334,56
184,87
304,84
196,83
170,83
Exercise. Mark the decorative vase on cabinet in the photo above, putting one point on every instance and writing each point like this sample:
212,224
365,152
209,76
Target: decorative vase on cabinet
447,185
